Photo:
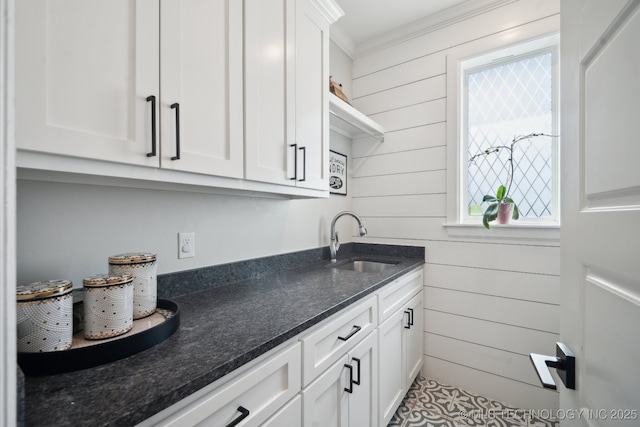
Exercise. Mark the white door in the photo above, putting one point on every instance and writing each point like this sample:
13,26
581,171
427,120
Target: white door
201,85
600,318
85,71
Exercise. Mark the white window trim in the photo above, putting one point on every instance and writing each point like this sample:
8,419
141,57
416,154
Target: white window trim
455,225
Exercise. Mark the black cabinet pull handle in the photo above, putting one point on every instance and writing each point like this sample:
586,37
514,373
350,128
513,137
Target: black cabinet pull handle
152,99
350,388
355,359
408,325
410,316
304,163
176,106
244,413
354,330
295,162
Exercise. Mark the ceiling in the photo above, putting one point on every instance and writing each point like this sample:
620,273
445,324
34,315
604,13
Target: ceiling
368,19
369,24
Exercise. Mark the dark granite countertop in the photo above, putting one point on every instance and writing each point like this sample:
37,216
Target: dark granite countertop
222,327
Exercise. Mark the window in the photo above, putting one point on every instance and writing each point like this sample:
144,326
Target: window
506,94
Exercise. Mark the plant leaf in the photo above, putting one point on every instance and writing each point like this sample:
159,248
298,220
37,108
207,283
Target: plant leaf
516,213
492,210
490,214
489,198
502,190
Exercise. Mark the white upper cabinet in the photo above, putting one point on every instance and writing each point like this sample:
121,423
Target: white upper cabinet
286,91
103,86
90,75
201,86
84,70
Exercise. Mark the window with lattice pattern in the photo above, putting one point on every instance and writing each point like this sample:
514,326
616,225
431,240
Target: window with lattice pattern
504,99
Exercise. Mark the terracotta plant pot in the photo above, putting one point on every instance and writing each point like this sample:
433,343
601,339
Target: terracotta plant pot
504,213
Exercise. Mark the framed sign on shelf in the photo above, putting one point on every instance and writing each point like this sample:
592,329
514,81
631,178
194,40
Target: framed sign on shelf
337,173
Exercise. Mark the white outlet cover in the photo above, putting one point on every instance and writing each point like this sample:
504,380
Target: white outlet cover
186,245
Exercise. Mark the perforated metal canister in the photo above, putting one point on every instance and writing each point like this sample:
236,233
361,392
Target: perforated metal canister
44,316
108,305
143,267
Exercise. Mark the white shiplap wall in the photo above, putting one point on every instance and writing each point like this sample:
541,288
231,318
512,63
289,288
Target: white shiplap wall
488,302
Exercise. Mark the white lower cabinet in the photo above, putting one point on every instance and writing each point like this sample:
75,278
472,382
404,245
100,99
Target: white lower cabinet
346,393
289,416
335,337
400,339
248,400
350,370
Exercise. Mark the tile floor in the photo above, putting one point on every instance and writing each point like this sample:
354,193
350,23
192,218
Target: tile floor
432,404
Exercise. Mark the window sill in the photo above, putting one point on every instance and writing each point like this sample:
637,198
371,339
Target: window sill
529,232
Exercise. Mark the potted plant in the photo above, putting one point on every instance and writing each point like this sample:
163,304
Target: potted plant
501,206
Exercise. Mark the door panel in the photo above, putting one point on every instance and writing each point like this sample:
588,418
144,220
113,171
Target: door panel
611,87
611,318
601,208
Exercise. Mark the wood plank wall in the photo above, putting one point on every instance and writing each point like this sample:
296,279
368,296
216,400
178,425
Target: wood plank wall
488,303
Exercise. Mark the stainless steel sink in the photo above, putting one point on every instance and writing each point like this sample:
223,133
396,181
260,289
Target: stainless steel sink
362,266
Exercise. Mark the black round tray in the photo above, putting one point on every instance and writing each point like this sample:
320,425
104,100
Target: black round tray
101,352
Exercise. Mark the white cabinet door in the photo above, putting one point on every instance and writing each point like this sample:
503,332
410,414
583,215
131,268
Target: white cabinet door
84,71
415,339
346,393
268,39
391,373
290,415
363,401
312,96
325,401
201,83
400,339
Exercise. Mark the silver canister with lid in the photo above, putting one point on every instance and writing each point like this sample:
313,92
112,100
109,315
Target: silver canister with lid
143,267
108,305
44,316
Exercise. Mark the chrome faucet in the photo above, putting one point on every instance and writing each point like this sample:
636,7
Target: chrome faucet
335,244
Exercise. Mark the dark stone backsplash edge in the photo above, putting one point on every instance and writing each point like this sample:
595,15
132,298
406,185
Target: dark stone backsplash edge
185,282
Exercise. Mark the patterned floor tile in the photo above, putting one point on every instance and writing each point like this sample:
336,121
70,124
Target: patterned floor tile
429,403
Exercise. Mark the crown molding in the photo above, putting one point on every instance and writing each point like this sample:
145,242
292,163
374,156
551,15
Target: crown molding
342,39
329,9
450,16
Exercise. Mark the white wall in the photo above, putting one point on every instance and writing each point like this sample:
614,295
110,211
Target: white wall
69,230
341,68
488,302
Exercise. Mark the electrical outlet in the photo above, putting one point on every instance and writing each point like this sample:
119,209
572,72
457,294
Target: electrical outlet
186,245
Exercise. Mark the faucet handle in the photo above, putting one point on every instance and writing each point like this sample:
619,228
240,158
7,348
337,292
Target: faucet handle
337,243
